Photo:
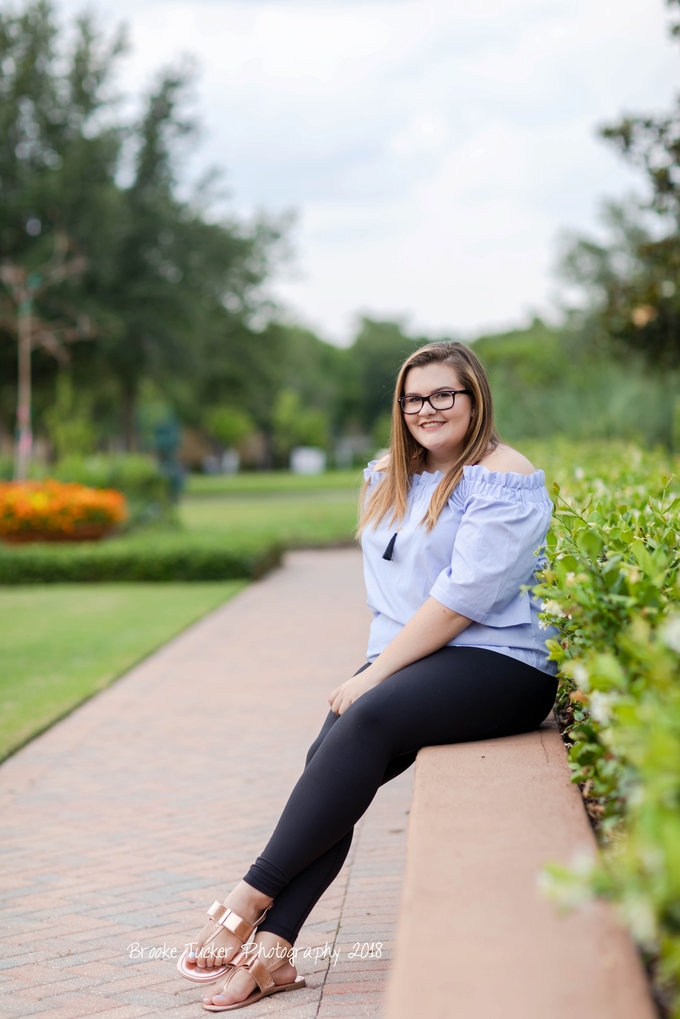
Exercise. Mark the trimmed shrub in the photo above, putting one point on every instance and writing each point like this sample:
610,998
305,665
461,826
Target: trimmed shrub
156,558
612,590
137,476
58,510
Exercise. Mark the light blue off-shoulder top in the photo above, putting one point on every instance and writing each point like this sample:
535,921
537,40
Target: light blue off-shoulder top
486,544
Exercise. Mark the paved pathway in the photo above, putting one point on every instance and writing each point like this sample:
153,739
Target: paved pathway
123,822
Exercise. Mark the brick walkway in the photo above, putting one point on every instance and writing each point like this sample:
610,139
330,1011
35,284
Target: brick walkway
124,821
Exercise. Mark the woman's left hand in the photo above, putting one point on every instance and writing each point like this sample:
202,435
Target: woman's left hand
346,694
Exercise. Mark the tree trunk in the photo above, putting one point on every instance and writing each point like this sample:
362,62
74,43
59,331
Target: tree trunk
24,439
128,415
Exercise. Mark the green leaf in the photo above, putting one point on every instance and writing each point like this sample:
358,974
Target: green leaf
590,542
643,558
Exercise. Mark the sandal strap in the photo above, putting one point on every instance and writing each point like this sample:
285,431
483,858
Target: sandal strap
231,921
260,973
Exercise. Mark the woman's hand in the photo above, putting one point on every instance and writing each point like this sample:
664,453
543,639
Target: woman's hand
432,626
346,694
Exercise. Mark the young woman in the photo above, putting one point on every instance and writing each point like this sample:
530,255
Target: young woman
452,520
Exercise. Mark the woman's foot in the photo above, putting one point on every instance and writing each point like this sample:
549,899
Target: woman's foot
249,904
268,948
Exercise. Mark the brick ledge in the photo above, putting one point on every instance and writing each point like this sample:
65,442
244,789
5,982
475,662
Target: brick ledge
476,939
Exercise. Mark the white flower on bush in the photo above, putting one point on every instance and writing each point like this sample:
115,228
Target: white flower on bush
600,706
553,608
670,633
579,674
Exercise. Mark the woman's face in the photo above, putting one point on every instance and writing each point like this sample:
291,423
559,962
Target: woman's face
441,432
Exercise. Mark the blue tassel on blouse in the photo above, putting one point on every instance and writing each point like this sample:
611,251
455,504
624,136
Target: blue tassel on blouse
387,554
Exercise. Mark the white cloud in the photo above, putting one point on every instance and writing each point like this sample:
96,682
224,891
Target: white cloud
433,148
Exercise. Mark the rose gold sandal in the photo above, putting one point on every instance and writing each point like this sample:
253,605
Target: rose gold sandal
261,974
229,920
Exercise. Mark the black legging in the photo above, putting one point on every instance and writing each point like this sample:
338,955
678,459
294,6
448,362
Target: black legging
455,695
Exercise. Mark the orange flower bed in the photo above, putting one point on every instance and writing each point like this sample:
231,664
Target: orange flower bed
54,511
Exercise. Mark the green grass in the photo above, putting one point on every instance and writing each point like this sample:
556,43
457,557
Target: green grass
59,644
294,519
267,482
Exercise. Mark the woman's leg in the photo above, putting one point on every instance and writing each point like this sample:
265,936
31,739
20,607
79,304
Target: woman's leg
454,695
295,902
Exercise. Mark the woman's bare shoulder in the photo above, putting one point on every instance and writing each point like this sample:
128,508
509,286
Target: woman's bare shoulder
382,463
506,459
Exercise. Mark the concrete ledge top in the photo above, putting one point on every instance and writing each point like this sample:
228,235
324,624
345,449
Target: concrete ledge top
476,938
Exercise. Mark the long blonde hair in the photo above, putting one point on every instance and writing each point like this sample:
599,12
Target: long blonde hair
407,457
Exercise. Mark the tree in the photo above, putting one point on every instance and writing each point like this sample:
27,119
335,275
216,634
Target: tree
633,286
653,143
297,425
634,280
24,288
47,105
374,361
229,425
68,420
179,284
169,288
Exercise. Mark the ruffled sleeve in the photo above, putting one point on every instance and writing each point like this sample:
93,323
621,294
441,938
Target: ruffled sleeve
505,520
372,476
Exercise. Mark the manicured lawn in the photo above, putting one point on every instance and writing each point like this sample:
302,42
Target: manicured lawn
291,518
60,643
270,482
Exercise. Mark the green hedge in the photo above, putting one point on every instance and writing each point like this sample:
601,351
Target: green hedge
140,557
136,475
139,477
613,591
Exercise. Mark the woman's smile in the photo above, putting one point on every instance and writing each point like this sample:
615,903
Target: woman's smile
431,425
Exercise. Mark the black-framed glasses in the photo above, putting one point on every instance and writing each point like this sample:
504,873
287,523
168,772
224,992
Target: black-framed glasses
444,399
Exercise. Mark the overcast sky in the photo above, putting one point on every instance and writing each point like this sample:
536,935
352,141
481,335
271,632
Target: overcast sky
433,150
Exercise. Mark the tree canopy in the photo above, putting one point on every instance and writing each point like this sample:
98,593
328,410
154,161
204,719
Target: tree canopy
164,287
633,280
144,303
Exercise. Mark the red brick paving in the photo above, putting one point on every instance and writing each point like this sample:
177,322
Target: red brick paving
123,822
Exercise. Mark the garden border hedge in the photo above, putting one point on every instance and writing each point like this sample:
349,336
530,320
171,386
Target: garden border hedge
613,590
172,557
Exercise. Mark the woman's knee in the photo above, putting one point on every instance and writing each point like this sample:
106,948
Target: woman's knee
313,749
331,719
366,713
367,720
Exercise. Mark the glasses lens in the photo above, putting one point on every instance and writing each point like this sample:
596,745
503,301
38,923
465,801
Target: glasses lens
411,404
442,401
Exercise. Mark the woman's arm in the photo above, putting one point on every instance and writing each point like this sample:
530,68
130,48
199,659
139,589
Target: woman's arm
428,630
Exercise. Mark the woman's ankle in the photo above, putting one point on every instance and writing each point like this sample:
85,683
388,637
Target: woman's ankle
247,901
273,949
